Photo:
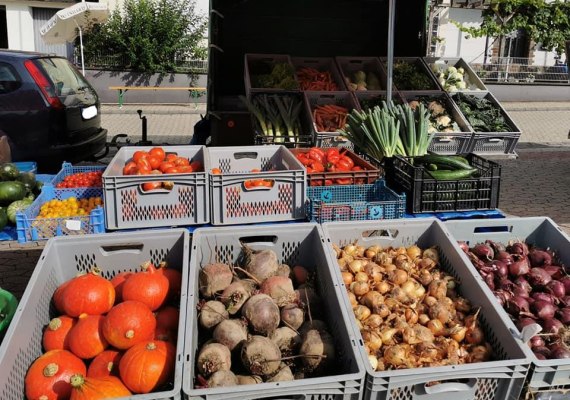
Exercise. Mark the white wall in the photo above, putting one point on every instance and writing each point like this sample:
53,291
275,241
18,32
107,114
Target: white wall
456,44
20,27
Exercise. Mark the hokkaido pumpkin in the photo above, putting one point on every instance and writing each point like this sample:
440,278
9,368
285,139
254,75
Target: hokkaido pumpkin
129,323
118,281
49,375
88,294
105,364
86,339
147,286
174,280
167,317
85,388
58,296
148,365
56,334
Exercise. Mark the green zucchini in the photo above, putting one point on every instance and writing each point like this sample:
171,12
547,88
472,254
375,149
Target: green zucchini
445,162
449,175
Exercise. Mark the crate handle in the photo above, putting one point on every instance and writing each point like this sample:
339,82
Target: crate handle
257,188
495,140
326,96
445,139
261,239
134,248
245,154
492,229
385,233
450,387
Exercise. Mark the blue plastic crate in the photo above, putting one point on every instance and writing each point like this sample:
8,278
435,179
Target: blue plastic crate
354,203
30,228
27,166
68,169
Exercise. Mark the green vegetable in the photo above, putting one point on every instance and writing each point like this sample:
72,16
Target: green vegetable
482,114
8,307
11,191
8,172
411,76
444,162
3,218
15,207
446,175
273,76
28,179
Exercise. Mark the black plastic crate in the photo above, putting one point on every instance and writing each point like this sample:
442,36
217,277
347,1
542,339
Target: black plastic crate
425,194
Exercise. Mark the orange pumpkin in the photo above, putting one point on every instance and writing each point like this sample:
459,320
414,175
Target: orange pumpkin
49,375
174,280
86,339
129,323
148,365
147,286
88,294
118,281
167,317
58,296
85,388
56,334
105,364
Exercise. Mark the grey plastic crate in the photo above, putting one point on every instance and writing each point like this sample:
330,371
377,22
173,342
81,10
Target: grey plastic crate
298,244
540,231
493,380
439,64
62,259
446,142
421,66
349,65
128,206
269,59
231,202
323,65
493,143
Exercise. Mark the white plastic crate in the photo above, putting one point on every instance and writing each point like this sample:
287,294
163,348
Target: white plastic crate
127,206
232,202
62,259
294,244
542,232
493,380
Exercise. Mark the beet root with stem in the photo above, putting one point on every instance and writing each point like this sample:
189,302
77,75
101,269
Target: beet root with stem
260,356
292,316
211,314
283,374
279,288
262,313
286,339
214,278
318,351
214,357
236,294
231,333
261,264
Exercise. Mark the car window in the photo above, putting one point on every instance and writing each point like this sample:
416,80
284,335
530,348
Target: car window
66,79
9,79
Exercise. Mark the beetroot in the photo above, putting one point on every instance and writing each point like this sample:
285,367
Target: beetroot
286,339
236,294
318,351
261,264
213,357
261,356
214,278
284,270
231,333
249,379
212,313
292,316
284,374
261,313
279,288
222,378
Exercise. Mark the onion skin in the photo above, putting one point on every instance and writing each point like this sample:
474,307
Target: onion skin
538,258
541,296
517,304
518,248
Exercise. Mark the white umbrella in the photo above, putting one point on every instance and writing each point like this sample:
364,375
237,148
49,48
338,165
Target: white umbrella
65,24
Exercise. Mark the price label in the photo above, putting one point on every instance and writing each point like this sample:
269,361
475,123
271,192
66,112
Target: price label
73,224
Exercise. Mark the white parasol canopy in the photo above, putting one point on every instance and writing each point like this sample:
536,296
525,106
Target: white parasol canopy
65,24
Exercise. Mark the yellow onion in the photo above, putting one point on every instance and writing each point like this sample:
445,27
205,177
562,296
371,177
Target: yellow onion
361,312
414,252
352,299
347,278
356,266
383,287
372,339
361,277
359,288
373,362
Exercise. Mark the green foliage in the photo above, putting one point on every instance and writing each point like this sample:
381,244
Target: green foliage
544,22
150,35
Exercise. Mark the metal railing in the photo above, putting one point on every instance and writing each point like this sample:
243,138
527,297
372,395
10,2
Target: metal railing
520,70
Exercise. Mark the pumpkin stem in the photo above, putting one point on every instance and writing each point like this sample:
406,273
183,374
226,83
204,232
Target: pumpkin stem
151,346
54,324
148,266
43,397
84,315
95,270
50,370
110,366
163,265
130,334
77,380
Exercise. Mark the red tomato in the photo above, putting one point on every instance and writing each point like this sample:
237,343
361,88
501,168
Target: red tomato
144,162
154,161
304,159
268,183
318,150
317,166
148,186
158,152
328,182
165,165
343,165
144,170
172,170
196,166
181,161
348,160
248,184
343,181
185,169
356,168
139,155
171,157
332,150
333,158
258,182
316,155
130,168
256,170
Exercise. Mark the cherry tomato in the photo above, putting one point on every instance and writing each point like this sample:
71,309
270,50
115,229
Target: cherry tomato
154,161
158,152
148,186
139,155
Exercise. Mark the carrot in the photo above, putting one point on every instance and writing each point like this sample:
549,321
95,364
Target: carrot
313,79
330,117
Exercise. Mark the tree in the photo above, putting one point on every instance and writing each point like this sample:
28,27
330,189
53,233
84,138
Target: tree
151,35
544,22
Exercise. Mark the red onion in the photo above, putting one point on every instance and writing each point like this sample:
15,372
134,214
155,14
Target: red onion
555,271
490,280
496,246
541,296
517,304
545,351
540,356
566,281
551,325
521,323
565,301
559,351
556,288
519,267
543,309
505,284
483,251
536,341
504,257
538,277
521,282
564,315
500,268
538,258
519,291
463,246
502,296
518,248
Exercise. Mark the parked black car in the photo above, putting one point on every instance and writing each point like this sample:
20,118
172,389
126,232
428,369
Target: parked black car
48,110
